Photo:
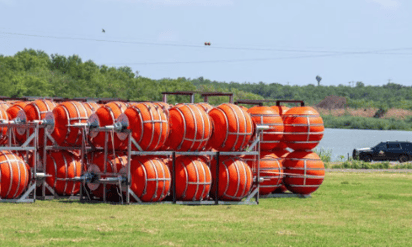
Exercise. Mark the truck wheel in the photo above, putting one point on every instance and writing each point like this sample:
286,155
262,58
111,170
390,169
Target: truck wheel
403,158
367,158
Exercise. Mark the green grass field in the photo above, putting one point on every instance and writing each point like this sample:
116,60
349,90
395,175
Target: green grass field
349,209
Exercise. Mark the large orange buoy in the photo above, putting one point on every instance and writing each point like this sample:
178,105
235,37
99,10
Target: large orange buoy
235,178
3,130
104,116
148,124
193,178
265,115
304,172
150,178
271,171
303,128
205,106
61,166
233,127
15,108
14,175
281,109
190,128
115,162
281,153
64,116
36,110
93,106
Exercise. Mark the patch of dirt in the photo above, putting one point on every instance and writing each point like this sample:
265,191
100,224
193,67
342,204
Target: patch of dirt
332,102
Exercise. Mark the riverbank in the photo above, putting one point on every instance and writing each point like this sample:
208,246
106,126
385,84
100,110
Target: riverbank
361,165
392,119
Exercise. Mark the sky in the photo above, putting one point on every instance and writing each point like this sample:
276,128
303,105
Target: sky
270,41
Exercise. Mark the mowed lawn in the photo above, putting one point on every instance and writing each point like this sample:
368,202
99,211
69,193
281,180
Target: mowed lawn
349,209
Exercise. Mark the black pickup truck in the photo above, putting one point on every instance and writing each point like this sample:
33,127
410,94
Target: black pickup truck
390,150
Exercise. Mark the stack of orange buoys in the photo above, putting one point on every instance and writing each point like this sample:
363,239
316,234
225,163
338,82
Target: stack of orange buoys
233,128
304,170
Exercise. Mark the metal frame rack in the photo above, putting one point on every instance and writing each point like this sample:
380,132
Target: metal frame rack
83,151
31,144
123,180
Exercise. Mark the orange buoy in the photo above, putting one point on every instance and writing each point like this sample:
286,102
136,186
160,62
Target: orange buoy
205,106
115,162
281,153
64,116
148,124
235,178
15,108
193,178
265,115
93,106
271,171
233,128
3,130
35,110
61,166
150,178
190,128
304,172
303,128
104,116
14,175
281,109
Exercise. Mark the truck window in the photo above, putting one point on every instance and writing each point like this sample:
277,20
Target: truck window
393,146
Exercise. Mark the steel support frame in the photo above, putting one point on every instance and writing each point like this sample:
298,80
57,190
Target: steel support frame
29,195
83,152
132,198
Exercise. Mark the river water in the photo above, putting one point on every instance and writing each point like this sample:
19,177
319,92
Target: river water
343,141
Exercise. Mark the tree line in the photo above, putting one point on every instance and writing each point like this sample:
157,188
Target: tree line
35,73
